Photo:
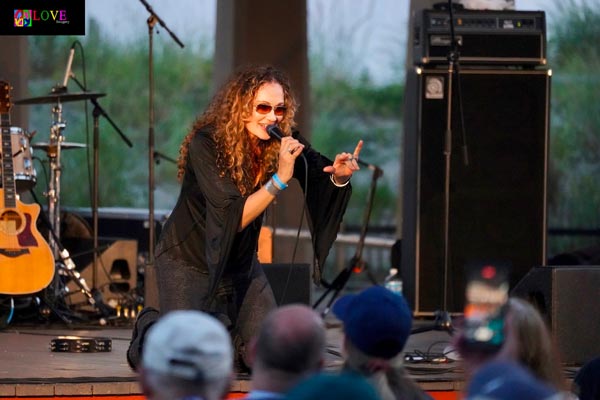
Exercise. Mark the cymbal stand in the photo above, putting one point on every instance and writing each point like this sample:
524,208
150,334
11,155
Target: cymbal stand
53,193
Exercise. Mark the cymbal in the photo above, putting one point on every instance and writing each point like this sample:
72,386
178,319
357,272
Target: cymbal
60,97
63,145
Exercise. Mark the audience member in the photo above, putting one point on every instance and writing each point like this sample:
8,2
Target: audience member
522,366
345,386
377,324
529,342
586,384
290,346
507,380
187,355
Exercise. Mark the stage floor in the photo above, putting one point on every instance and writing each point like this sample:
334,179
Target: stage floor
28,367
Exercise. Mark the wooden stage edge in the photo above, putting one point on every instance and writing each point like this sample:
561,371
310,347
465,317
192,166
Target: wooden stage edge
29,369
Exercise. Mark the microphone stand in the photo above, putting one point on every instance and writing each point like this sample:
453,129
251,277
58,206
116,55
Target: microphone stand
442,320
96,113
151,21
356,262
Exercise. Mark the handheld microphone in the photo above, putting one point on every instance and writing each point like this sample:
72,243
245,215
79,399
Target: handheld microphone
274,131
69,64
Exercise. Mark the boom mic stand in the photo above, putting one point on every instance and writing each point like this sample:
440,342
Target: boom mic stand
152,20
160,156
356,262
96,113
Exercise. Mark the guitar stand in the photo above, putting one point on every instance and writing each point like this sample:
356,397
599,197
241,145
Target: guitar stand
66,267
356,263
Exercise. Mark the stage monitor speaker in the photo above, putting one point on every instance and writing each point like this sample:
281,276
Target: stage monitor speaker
290,282
116,271
497,203
569,298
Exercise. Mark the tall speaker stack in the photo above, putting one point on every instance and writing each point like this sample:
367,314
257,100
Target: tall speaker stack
498,102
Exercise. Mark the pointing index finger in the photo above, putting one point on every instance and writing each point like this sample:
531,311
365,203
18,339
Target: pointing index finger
358,149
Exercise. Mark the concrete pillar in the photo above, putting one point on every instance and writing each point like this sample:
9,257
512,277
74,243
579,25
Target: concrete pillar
14,69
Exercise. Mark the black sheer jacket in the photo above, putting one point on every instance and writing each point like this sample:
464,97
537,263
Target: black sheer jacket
202,229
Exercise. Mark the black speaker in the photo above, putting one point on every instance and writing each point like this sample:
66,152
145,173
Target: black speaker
569,298
496,202
290,282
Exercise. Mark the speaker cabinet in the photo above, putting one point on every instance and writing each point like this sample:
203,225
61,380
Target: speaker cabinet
496,203
290,282
569,298
116,269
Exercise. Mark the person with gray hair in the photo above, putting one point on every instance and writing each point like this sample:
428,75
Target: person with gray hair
289,347
187,355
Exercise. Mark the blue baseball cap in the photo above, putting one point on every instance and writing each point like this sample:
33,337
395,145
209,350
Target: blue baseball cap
377,321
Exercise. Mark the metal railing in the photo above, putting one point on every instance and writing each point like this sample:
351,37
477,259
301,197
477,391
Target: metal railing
376,252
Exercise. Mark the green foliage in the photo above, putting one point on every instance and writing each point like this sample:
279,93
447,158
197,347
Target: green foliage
345,111
574,192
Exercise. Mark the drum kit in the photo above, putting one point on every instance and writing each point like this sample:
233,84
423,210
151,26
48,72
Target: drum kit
26,178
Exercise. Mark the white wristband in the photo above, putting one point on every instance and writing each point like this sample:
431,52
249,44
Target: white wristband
338,184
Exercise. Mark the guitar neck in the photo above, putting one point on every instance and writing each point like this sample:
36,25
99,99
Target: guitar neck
8,176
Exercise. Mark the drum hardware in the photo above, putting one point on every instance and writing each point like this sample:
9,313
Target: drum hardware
65,145
24,171
53,220
53,149
59,97
66,267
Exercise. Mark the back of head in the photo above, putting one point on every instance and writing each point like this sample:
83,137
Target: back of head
291,340
529,342
376,321
345,386
503,380
188,353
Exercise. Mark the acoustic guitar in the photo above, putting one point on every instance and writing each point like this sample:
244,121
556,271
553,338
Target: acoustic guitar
26,260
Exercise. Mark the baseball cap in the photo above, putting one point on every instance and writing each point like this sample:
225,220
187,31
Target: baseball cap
344,386
377,321
188,344
505,380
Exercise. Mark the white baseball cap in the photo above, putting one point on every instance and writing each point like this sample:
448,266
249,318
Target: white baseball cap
188,344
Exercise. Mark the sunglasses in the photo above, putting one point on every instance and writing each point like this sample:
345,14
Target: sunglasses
266,108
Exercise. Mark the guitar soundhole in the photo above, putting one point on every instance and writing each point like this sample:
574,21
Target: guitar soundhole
11,222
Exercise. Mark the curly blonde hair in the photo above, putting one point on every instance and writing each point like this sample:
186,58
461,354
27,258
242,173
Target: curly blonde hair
226,115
